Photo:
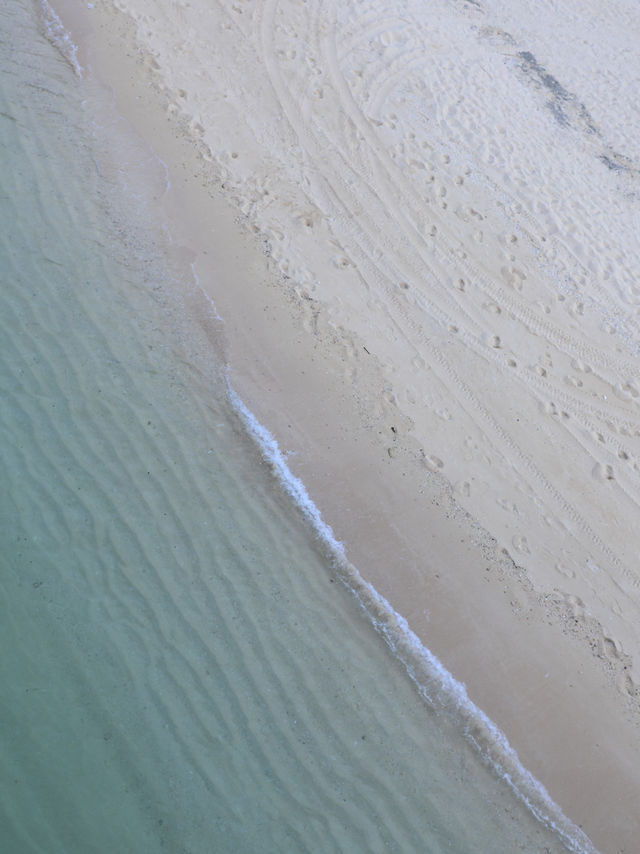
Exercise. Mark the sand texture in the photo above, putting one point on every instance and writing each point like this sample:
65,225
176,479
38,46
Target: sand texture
424,223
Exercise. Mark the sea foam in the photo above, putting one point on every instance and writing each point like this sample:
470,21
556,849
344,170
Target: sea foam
59,36
440,690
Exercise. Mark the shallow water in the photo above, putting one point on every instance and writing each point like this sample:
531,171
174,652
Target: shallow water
182,669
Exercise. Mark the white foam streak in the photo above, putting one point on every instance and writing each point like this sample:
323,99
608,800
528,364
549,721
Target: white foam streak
292,485
59,36
433,681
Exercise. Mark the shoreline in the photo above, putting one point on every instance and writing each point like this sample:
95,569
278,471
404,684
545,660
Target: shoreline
334,404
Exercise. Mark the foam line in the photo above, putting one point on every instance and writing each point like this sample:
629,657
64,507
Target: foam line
59,36
433,681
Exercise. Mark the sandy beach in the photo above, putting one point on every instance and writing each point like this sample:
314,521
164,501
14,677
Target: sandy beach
420,232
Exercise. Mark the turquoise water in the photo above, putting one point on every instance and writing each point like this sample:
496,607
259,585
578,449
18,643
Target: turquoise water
182,669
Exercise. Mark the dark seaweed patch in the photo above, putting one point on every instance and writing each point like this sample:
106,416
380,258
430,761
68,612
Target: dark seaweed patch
530,65
618,163
559,113
566,108
611,164
568,111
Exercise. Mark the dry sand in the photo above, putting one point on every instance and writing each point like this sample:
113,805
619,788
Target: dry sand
420,228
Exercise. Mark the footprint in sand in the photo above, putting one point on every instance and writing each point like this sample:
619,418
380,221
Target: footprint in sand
514,277
609,648
602,472
564,570
625,684
493,307
463,487
341,262
628,390
521,545
433,463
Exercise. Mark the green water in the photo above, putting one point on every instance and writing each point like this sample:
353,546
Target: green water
181,671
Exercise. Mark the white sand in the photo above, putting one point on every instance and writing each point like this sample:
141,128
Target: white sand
446,322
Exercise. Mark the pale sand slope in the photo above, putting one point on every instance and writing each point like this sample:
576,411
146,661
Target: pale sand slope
449,196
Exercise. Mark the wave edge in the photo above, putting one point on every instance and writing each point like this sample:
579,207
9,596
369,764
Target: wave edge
435,684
